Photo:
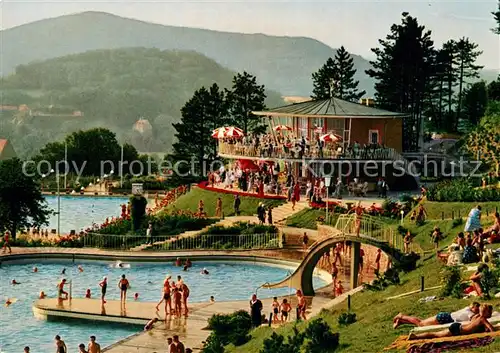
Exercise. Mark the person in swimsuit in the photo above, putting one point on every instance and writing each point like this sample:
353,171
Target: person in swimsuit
339,288
335,273
94,347
377,261
26,349
150,324
358,212
104,286
177,302
42,295
166,296
275,306
285,309
361,260
60,345
88,294
35,269
440,319
301,304
81,348
185,295
60,290
478,324
172,347
14,282
6,242
124,285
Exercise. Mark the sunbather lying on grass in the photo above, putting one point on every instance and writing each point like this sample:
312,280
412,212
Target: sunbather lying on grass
441,318
478,324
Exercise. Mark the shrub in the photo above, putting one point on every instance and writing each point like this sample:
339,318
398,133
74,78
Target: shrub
346,318
137,211
276,343
461,190
213,344
232,328
490,280
390,277
457,222
452,282
320,337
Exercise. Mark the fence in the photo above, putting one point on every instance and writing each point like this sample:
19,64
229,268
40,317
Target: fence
174,243
374,228
463,213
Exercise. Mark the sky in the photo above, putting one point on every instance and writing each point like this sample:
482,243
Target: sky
355,24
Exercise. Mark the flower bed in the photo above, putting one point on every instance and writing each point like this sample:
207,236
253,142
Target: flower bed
204,185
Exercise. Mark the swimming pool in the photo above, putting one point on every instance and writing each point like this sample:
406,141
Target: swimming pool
227,281
79,212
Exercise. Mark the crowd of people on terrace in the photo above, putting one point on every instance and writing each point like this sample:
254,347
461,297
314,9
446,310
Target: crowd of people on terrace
286,145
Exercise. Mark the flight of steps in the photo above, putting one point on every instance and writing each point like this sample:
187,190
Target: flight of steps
281,213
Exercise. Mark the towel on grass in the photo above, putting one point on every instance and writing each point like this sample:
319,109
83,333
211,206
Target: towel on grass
439,347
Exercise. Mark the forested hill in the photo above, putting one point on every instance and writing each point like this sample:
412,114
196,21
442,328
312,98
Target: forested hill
113,88
284,64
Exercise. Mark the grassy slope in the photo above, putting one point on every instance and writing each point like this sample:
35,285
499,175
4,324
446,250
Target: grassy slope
373,331
435,209
248,204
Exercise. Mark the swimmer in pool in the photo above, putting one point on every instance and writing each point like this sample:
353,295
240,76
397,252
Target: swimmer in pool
88,294
63,272
60,345
10,301
42,295
80,268
185,268
205,272
212,299
136,296
14,282
35,269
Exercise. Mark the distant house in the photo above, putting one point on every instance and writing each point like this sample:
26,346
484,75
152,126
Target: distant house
6,150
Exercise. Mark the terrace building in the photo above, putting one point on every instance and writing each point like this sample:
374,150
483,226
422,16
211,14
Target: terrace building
363,138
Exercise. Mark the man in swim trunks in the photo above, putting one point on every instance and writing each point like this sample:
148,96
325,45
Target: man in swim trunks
301,304
179,345
94,347
478,324
123,284
60,290
285,310
60,345
441,318
185,295
104,286
6,242
166,296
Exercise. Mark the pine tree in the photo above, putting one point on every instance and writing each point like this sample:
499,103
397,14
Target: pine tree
403,70
467,55
496,16
474,106
205,111
322,80
341,71
494,90
246,96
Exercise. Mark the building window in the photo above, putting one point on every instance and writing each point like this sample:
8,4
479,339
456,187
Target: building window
373,137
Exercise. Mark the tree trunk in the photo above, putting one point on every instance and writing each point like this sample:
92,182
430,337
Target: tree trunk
460,88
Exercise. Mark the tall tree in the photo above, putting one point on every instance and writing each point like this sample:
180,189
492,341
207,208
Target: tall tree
402,71
322,80
474,104
494,90
22,204
336,77
205,111
217,111
496,16
467,55
246,96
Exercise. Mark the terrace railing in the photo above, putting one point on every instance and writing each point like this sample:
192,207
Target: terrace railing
281,152
184,243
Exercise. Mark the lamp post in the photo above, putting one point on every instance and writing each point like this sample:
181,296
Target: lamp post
328,181
402,216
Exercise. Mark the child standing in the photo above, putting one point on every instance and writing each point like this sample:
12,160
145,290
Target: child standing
285,310
276,309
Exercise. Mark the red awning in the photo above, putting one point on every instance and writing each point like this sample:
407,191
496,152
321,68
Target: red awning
246,164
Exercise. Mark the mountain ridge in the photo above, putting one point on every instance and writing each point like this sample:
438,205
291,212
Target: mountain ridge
282,63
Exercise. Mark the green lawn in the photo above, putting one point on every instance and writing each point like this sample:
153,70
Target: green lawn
248,206
435,210
306,218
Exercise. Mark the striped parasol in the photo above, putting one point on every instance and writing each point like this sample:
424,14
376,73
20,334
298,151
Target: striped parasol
330,138
282,128
230,131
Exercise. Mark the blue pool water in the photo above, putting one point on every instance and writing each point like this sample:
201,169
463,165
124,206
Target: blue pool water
79,212
232,281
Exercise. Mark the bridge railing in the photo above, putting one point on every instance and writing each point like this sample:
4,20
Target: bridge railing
374,228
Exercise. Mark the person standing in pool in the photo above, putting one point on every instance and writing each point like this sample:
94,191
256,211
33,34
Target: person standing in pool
124,285
104,286
94,347
60,290
60,345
